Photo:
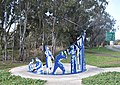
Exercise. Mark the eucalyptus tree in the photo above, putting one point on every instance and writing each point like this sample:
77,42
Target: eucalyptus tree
100,25
24,10
52,22
74,16
86,15
67,18
7,18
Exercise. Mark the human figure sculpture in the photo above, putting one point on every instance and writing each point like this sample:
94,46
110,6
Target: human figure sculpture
58,63
31,66
49,58
39,66
73,59
78,46
80,52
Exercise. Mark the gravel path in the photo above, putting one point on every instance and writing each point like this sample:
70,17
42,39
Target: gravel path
73,79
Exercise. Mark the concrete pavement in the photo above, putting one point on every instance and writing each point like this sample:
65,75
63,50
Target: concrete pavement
72,79
114,47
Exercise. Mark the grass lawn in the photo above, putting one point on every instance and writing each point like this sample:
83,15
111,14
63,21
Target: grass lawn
8,64
109,78
102,57
7,79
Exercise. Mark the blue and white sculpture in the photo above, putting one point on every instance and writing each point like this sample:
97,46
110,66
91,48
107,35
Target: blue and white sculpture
77,61
49,58
58,63
39,66
73,59
80,52
31,66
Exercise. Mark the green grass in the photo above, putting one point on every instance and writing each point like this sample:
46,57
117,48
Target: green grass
102,61
66,60
103,50
7,79
8,64
109,78
102,57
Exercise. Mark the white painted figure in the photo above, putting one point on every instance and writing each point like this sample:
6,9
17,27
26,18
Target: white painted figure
49,58
39,66
31,66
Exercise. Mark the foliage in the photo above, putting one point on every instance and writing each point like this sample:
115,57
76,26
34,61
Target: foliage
109,78
34,29
7,78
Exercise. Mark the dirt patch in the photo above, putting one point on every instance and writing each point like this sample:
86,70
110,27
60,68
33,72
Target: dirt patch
108,55
112,62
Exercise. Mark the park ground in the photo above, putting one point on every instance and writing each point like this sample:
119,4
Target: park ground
100,57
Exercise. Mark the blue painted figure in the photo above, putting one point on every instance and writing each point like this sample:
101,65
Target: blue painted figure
80,52
39,66
58,63
73,59
83,64
79,47
77,57
49,58
31,66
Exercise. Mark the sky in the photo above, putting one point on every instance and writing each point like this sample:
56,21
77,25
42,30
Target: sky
113,9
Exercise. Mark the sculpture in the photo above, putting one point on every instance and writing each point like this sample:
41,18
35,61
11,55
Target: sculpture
73,59
58,63
49,58
31,66
77,61
39,66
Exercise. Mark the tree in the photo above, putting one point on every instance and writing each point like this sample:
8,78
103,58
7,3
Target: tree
99,26
7,19
68,18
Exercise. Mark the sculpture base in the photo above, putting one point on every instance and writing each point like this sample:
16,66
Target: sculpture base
59,71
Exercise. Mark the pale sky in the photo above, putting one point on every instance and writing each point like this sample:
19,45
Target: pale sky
113,9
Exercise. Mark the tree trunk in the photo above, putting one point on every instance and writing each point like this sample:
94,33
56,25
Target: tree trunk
53,37
1,45
22,39
5,47
5,36
13,45
20,49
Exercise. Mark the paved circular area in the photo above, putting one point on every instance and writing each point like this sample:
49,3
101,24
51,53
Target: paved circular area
62,79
